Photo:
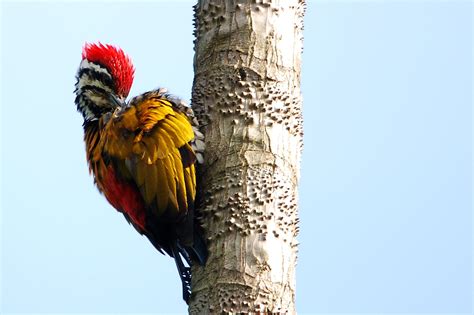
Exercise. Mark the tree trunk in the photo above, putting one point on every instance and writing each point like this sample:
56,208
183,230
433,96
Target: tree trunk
247,97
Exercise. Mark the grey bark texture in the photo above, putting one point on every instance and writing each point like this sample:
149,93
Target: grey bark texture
247,97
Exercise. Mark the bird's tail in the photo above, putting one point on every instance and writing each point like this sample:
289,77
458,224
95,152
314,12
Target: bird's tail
191,243
191,254
184,271
198,251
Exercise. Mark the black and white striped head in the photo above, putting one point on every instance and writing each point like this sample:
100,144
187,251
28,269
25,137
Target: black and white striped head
104,80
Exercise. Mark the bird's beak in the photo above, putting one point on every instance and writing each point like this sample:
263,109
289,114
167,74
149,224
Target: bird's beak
117,101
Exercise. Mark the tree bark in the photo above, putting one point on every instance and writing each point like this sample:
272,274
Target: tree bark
246,95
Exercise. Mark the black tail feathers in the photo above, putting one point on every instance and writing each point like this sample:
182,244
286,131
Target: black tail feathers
191,254
184,272
197,252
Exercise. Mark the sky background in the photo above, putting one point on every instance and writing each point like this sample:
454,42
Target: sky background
385,193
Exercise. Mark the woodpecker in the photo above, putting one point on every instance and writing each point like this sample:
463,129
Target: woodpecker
142,154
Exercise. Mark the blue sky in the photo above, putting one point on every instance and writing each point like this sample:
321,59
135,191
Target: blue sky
386,187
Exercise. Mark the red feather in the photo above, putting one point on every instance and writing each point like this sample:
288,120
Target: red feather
124,197
115,61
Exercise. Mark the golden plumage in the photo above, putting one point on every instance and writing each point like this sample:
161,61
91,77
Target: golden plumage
146,146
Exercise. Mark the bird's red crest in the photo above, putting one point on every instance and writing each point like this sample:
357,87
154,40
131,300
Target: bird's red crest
115,61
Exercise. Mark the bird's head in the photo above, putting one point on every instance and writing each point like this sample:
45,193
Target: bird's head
104,80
